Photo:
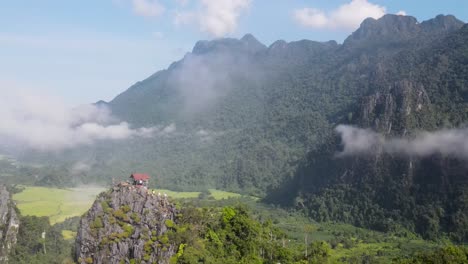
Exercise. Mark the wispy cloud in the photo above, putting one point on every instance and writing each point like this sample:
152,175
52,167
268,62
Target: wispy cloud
347,16
201,81
208,135
80,167
216,17
448,142
45,123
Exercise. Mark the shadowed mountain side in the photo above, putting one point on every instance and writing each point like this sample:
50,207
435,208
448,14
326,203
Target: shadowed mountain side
423,192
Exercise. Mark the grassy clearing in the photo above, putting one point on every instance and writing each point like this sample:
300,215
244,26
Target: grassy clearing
178,195
219,195
57,204
382,252
68,234
216,194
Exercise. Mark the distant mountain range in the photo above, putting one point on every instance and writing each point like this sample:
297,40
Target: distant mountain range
237,115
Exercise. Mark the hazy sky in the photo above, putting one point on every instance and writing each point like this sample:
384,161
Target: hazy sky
86,50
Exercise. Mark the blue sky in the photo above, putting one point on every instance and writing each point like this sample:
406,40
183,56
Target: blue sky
83,51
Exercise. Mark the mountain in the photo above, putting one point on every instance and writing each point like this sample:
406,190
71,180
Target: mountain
9,223
129,224
124,225
234,114
413,91
247,114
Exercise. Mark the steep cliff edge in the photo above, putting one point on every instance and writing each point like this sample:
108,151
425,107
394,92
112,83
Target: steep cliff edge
126,224
9,224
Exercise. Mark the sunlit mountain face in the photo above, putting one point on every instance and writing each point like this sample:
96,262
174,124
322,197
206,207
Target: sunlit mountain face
253,150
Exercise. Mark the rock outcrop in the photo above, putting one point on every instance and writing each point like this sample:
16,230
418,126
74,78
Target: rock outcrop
126,224
9,224
395,28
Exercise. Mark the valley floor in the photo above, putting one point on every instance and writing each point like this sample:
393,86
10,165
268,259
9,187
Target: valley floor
347,243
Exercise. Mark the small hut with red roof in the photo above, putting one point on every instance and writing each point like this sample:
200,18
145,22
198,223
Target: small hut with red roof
140,179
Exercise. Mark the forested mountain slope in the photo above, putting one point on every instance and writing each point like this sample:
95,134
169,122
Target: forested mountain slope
415,90
244,114
237,115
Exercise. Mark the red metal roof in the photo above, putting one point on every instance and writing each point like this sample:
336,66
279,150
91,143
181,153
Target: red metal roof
140,176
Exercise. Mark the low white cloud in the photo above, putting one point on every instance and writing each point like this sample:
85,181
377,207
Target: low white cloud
80,167
201,81
447,142
216,17
203,133
347,16
358,141
148,8
208,135
311,17
219,17
401,13
45,123
171,128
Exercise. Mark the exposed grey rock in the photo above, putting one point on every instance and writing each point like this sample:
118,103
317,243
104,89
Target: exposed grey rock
9,224
393,111
126,223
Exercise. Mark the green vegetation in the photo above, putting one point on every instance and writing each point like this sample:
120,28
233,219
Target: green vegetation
68,234
32,248
219,195
222,230
448,254
270,134
228,235
178,195
215,194
347,243
236,235
97,223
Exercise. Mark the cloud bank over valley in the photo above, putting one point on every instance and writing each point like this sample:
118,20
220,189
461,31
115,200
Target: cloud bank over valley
45,123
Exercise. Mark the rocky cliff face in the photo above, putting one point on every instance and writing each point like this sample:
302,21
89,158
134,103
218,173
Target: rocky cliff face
126,224
9,224
392,111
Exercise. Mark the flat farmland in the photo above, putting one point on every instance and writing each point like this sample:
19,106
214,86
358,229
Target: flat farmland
57,204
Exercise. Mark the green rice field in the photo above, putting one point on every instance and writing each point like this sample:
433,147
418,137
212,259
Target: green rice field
57,204
178,195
